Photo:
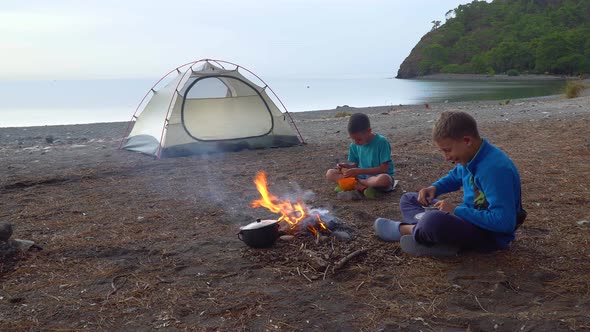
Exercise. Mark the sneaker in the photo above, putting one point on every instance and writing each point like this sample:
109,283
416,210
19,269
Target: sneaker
387,230
372,193
353,195
411,247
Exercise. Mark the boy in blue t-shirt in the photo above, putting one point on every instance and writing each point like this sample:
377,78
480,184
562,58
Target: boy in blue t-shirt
369,161
491,209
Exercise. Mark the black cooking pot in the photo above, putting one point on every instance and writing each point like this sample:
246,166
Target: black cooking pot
260,234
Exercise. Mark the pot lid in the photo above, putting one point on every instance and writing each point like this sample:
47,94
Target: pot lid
258,224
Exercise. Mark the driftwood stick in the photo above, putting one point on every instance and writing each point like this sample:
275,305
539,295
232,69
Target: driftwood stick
340,264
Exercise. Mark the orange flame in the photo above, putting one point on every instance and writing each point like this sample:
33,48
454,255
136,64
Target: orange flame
292,213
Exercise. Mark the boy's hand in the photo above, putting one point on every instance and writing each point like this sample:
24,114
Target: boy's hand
351,173
426,195
445,206
345,165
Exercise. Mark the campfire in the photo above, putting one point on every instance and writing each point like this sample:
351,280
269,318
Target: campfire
297,215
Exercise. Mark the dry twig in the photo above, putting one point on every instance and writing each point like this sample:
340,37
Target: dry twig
359,286
303,274
115,288
340,264
476,300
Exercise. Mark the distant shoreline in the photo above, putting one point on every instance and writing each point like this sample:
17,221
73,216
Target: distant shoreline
330,112
485,77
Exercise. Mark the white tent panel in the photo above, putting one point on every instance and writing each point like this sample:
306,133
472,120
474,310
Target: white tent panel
151,120
281,125
207,119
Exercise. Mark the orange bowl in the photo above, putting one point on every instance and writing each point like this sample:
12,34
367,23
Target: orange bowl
347,184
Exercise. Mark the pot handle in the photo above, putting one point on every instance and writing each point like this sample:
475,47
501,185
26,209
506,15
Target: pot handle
240,236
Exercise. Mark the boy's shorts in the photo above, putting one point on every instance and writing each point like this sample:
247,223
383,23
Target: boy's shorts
385,190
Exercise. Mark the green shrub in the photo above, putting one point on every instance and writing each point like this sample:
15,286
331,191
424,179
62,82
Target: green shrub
452,68
491,72
342,114
574,88
512,72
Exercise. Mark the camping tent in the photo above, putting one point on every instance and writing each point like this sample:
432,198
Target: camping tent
207,108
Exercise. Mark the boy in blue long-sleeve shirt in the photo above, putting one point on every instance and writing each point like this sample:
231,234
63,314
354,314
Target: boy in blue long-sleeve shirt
491,209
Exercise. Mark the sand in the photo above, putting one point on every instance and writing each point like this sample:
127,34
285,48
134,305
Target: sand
134,243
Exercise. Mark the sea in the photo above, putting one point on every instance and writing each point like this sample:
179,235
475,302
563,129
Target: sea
55,102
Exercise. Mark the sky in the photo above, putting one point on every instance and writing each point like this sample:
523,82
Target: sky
108,39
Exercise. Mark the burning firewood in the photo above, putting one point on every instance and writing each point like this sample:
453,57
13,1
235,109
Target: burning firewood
296,217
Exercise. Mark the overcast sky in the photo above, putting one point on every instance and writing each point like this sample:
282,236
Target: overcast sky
88,39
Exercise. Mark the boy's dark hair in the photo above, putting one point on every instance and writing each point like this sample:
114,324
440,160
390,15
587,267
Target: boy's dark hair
454,125
358,122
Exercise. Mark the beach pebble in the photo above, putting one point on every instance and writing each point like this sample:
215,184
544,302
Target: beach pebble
22,245
583,222
341,235
5,231
287,237
318,263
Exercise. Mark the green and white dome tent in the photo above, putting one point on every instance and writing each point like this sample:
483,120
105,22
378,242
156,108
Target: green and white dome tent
208,108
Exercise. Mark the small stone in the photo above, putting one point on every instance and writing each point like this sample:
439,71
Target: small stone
5,231
583,222
287,237
341,235
22,245
315,261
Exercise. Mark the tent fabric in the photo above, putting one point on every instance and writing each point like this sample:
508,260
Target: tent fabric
209,109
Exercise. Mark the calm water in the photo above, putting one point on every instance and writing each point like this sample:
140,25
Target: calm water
28,103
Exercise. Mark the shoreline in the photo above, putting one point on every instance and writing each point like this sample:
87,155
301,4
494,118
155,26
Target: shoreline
486,77
345,108
323,126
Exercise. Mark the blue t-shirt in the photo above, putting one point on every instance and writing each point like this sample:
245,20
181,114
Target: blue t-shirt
372,154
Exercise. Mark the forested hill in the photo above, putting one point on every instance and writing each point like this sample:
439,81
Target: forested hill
506,36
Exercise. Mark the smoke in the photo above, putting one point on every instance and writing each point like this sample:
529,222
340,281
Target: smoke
296,193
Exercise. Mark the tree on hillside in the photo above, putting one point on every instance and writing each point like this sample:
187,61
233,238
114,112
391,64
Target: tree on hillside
525,35
435,25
